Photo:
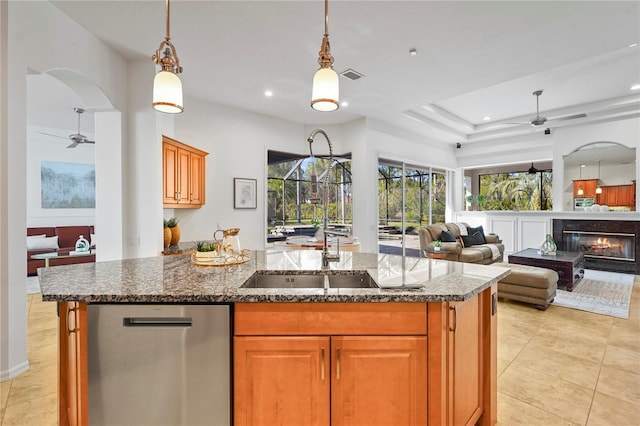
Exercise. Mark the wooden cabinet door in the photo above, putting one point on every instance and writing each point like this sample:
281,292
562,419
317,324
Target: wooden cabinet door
624,195
281,381
611,198
379,380
465,361
196,179
170,173
184,175
73,378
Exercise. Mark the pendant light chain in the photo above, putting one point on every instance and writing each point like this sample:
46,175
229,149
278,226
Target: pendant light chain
326,88
167,87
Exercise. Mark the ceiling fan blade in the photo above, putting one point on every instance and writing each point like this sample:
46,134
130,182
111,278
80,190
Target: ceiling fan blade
569,117
73,145
55,136
88,141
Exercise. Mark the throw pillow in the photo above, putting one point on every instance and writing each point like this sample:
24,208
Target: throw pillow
473,240
42,243
93,240
447,237
32,238
479,229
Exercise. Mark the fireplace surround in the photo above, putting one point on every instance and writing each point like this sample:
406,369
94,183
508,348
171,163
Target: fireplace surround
607,245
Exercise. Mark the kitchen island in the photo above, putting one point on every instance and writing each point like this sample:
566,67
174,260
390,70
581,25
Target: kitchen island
421,350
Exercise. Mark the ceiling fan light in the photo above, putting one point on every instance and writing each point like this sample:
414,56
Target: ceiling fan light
167,93
326,90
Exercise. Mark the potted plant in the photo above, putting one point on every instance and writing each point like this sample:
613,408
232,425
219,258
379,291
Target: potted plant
172,223
436,245
206,250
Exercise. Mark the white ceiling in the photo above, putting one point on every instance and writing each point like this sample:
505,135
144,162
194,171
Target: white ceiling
475,58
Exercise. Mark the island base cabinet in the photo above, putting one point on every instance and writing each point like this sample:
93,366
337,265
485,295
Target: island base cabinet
72,369
281,381
338,380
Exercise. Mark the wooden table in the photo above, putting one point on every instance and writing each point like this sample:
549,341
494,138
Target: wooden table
569,265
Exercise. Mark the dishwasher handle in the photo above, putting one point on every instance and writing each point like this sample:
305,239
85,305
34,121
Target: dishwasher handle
157,322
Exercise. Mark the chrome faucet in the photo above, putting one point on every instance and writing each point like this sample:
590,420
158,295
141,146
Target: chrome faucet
326,257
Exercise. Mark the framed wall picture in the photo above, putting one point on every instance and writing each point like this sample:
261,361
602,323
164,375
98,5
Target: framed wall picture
245,193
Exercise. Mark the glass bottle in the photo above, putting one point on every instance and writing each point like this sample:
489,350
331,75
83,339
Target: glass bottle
548,247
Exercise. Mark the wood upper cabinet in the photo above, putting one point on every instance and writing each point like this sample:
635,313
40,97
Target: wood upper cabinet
183,175
73,373
588,187
618,195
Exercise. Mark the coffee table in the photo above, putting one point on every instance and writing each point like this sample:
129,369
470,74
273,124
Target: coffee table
48,256
569,265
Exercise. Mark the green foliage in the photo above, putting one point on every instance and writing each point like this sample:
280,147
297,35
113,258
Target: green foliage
205,246
517,191
164,223
172,222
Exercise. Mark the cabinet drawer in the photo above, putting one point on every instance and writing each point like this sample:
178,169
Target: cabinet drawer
301,319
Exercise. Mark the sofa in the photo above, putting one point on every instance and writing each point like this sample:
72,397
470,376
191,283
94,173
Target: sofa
475,247
60,239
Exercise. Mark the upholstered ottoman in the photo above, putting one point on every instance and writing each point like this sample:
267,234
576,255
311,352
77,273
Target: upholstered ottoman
529,284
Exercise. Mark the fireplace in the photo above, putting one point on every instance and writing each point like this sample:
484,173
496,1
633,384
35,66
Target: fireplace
606,244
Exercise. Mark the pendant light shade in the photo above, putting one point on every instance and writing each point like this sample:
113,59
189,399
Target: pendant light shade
167,87
326,87
598,188
326,90
580,191
167,93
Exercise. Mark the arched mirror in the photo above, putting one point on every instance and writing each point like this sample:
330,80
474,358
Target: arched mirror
602,173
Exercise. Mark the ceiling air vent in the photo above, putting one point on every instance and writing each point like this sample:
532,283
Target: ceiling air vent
351,74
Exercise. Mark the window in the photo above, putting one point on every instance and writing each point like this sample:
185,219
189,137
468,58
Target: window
516,190
289,192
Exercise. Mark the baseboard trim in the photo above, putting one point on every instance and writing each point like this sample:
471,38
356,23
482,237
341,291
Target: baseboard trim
15,371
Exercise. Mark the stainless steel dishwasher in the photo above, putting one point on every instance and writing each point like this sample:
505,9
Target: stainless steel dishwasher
159,364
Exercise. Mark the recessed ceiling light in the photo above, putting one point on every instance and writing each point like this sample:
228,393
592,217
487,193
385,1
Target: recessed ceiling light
413,52
635,87
487,118
583,165
344,103
268,93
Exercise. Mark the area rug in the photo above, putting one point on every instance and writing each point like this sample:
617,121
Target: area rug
33,285
600,292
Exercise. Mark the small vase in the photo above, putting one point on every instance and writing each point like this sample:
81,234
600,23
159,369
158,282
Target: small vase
167,237
175,235
548,247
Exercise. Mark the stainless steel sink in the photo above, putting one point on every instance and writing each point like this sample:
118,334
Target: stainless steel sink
352,280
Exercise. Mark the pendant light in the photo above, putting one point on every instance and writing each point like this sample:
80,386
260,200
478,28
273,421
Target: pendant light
326,87
167,87
580,190
598,188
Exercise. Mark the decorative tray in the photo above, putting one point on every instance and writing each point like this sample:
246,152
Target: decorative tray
225,259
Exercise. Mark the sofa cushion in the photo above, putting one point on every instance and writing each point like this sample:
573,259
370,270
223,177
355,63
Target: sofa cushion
471,255
69,235
473,231
42,243
435,230
473,239
447,237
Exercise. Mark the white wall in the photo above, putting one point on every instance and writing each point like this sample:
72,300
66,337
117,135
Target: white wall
41,148
237,143
51,42
624,132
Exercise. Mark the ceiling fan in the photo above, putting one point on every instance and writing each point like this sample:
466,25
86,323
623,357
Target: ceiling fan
539,121
76,138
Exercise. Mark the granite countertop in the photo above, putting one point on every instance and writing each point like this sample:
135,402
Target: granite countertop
175,279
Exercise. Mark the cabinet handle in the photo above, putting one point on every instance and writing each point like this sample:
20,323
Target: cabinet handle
179,196
338,356
69,329
455,318
191,197
322,363
175,197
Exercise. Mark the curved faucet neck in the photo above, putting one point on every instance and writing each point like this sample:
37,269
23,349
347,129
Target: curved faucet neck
323,133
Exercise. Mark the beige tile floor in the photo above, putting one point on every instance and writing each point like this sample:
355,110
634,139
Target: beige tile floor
559,367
